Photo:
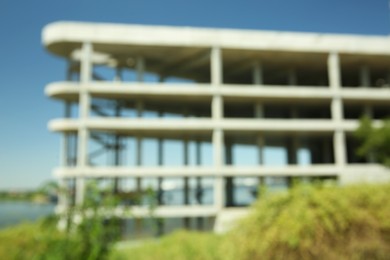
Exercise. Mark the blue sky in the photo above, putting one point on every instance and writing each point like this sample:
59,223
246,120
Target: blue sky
28,151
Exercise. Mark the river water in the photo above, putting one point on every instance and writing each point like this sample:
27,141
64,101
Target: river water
15,212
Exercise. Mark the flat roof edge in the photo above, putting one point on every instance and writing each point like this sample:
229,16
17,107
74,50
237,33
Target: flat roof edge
67,33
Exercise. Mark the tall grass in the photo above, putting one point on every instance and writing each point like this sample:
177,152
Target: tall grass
308,222
311,222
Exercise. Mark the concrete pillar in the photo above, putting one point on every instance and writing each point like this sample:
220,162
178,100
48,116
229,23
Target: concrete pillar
337,109
219,194
368,111
199,189
334,71
364,76
258,80
339,149
216,66
257,75
292,77
229,184
260,145
64,158
118,75
140,69
326,151
186,188
84,110
198,159
217,107
65,149
292,149
63,193
160,161
218,135
259,110
160,193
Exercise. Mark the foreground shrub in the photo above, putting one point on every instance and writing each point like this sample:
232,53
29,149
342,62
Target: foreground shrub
310,222
90,231
34,241
179,245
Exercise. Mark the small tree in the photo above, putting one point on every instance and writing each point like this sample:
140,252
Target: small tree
375,141
91,228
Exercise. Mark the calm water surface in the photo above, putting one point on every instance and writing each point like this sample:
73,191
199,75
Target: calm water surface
15,212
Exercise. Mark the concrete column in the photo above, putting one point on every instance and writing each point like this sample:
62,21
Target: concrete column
63,193
160,161
259,110
292,149
364,76
368,111
260,146
217,114
337,109
229,184
198,158
258,81
199,189
334,70
216,67
84,110
217,107
64,153
257,75
118,75
117,150
339,148
64,159
186,188
365,81
292,77
219,194
326,151
140,69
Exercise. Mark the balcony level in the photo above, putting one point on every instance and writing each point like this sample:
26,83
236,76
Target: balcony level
198,92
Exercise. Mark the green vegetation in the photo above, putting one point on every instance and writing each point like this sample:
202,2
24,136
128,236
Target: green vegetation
90,233
308,222
39,195
178,245
375,141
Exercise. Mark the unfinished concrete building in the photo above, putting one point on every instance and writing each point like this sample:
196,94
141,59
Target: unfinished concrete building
203,116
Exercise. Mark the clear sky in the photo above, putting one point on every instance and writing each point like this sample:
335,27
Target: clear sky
28,151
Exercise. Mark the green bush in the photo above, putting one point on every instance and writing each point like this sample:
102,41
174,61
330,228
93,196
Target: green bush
178,245
307,222
311,222
35,241
91,237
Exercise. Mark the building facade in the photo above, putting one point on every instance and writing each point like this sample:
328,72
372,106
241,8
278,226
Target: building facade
203,116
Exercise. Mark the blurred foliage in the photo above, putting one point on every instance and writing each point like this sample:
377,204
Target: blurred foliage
178,245
90,231
375,140
313,222
308,222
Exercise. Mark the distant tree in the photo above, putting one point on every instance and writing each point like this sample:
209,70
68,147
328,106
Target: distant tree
375,141
48,187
